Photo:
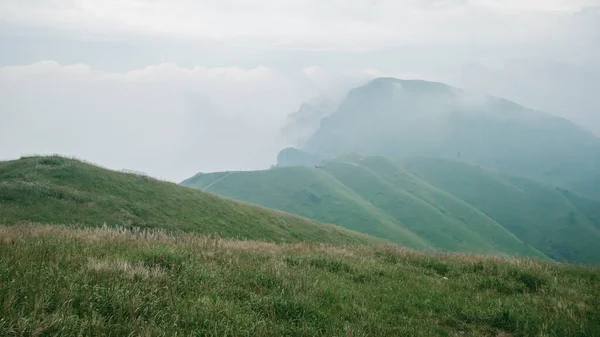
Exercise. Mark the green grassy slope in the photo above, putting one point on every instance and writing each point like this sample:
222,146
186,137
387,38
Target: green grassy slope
563,227
308,192
409,211
458,211
586,206
365,195
65,191
56,281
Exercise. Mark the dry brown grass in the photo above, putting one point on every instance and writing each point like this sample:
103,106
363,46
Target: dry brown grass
207,244
125,269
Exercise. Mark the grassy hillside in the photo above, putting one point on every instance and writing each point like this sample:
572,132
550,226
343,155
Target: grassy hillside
65,191
309,192
59,281
363,195
444,204
558,223
465,230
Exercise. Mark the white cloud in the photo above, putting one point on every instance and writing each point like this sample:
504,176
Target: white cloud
538,5
166,120
172,121
356,24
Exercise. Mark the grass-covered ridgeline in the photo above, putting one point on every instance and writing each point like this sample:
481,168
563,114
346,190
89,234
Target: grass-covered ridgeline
426,203
65,281
57,190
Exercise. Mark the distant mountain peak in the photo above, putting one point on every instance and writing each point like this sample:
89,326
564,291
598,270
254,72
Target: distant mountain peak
396,118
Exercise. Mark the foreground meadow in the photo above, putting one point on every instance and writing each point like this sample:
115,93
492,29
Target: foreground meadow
62,281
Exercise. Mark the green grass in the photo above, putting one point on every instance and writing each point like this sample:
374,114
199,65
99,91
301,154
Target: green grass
86,251
428,204
55,190
373,196
561,224
308,192
65,281
443,221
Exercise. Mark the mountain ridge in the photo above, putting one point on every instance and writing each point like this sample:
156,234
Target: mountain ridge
70,192
447,210
402,118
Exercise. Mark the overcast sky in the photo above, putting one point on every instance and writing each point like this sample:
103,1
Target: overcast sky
174,87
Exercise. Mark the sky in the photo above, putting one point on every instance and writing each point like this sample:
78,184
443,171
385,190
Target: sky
176,87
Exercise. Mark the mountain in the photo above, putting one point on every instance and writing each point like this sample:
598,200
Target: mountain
55,190
309,192
559,223
426,203
293,157
301,124
400,118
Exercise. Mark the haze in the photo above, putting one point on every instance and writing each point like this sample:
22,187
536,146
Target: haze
171,88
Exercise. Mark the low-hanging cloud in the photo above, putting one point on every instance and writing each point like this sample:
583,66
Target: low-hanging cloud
166,120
